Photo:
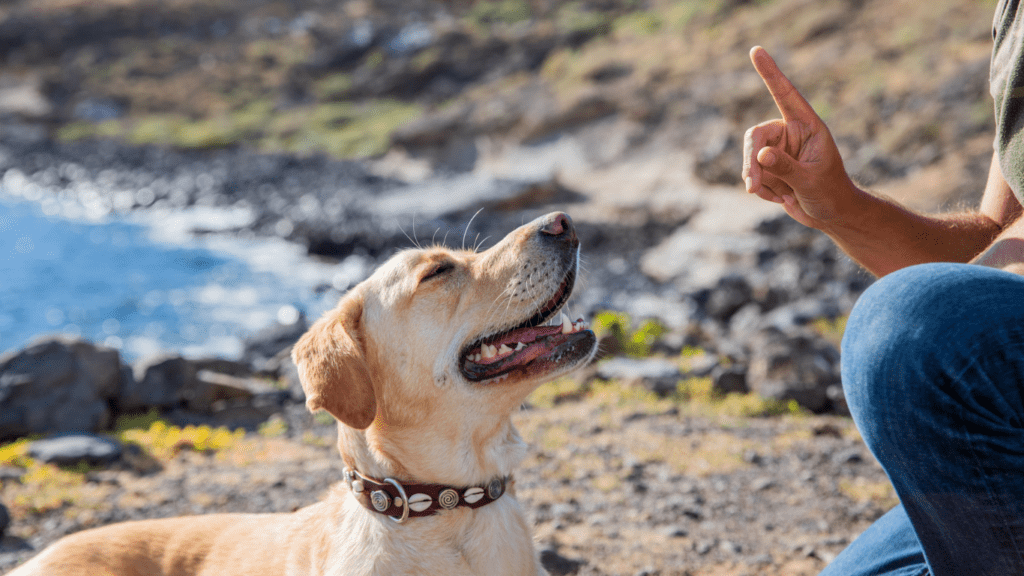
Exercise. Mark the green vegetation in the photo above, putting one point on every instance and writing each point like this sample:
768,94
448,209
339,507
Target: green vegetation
634,342
831,329
638,24
16,453
700,395
340,129
499,12
165,441
574,18
693,396
275,427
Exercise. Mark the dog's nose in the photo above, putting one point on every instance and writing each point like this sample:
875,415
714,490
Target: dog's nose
558,224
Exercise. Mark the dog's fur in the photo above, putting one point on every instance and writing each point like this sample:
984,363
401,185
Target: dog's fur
386,363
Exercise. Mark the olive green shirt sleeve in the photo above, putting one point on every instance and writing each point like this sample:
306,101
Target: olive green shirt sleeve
1006,84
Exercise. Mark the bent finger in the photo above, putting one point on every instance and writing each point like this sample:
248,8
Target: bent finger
787,98
756,138
775,189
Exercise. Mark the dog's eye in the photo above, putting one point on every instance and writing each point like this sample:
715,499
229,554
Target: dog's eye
438,270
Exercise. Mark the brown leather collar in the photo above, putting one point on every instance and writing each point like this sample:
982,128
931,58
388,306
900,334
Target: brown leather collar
402,501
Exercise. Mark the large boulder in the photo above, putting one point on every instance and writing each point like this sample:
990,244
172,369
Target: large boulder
58,385
163,381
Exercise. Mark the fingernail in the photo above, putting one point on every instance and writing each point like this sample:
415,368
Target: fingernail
789,200
768,160
749,183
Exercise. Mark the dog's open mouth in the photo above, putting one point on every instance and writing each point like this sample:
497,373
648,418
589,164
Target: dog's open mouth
545,342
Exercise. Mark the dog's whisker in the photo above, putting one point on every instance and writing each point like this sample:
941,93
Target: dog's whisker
468,225
402,228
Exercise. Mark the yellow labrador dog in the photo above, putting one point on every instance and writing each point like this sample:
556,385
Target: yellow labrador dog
422,364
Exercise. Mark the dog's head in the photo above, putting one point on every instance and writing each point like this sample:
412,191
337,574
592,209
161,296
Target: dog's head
435,350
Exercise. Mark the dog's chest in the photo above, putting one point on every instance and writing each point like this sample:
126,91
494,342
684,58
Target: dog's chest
493,542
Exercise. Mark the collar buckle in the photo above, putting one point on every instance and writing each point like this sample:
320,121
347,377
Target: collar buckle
404,501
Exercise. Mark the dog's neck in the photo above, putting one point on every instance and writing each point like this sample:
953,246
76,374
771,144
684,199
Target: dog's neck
471,461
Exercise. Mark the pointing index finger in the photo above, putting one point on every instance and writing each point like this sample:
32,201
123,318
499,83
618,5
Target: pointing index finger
787,98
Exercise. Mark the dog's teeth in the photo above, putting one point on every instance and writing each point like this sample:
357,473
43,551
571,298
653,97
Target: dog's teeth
520,346
488,351
504,349
566,324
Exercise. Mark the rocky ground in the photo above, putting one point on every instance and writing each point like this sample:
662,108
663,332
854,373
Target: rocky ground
616,482
351,126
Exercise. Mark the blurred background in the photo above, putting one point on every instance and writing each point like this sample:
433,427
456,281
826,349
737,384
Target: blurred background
186,184
117,107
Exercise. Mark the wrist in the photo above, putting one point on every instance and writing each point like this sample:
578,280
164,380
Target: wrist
855,211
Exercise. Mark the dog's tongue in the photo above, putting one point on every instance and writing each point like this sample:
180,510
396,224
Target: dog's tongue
524,335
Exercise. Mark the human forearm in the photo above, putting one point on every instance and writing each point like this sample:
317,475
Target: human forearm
884,236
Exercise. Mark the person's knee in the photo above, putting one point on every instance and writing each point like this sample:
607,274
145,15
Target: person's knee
898,324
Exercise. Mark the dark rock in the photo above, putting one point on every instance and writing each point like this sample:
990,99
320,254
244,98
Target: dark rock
730,294
73,449
730,380
57,385
223,366
268,342
800,313
231,416
559,565
216,387
162,382
5,520
799,366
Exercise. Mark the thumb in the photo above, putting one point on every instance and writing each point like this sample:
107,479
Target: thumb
776,162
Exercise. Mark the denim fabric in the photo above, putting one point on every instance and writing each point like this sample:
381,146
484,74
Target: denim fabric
889,546
933,369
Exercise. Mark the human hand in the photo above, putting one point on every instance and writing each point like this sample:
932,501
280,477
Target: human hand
794,161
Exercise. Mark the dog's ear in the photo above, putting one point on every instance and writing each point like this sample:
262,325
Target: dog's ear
332,365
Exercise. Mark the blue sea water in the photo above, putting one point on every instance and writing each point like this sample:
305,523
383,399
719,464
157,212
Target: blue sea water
130,284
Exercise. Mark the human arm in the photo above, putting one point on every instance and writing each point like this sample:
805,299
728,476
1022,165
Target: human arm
795,162
1000,204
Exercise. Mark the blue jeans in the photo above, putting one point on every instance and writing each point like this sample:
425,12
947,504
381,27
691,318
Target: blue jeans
933,369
